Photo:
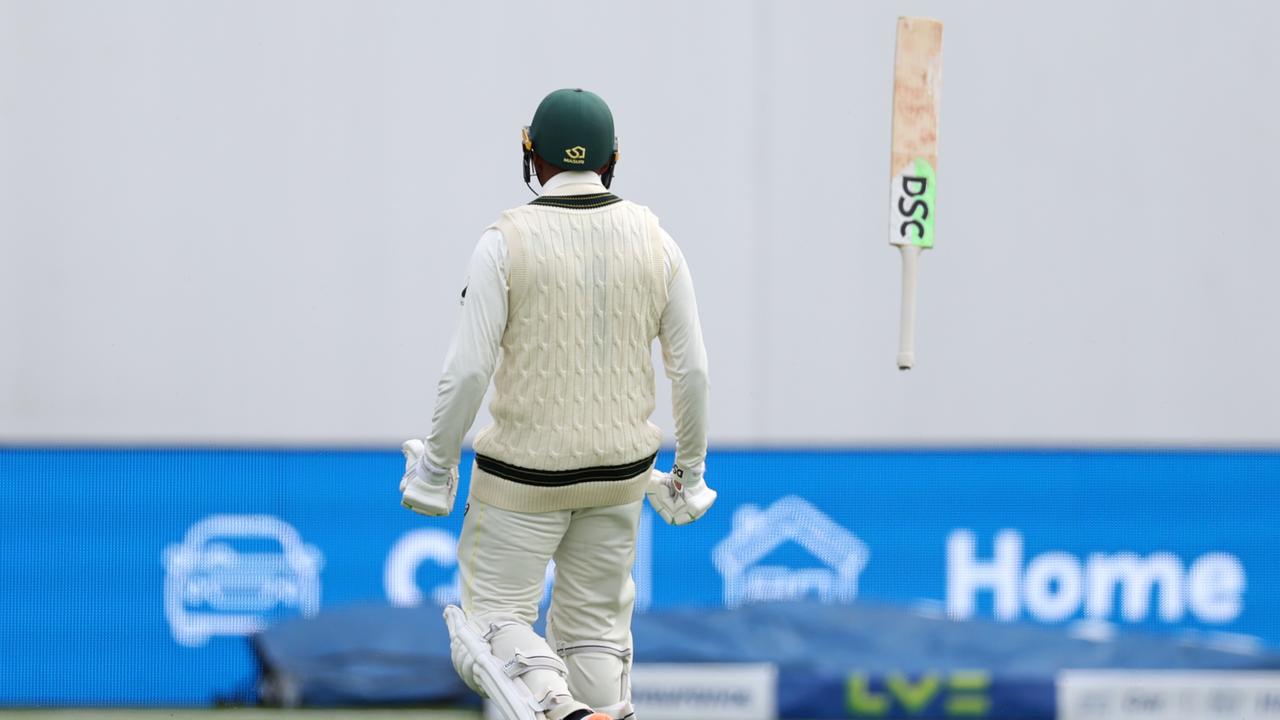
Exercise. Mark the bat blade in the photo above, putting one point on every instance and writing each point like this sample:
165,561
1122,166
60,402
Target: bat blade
917,75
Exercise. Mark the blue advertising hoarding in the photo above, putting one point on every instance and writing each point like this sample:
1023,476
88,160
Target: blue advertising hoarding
132,576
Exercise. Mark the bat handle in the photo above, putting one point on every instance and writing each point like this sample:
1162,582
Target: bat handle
907,328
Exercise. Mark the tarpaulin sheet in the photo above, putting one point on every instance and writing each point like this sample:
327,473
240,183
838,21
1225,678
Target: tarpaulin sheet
834,661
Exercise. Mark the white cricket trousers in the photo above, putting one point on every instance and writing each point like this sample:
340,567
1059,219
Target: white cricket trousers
502,564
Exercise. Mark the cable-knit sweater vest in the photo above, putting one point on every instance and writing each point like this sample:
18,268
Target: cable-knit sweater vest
574,387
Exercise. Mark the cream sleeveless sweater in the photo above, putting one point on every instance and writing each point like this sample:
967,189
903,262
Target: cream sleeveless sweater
574,387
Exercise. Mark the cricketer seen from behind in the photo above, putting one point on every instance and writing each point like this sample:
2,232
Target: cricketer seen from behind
563,299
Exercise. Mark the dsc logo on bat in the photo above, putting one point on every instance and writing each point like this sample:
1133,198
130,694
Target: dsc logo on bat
913,188
914,191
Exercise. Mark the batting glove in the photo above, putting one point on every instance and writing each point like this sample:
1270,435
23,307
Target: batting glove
679,496
427,489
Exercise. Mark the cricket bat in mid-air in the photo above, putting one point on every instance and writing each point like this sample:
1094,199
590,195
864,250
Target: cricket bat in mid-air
917,75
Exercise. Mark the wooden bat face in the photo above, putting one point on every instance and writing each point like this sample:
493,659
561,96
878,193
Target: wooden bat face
917,75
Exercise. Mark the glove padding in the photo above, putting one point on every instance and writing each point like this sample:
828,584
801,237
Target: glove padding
426,490
679,496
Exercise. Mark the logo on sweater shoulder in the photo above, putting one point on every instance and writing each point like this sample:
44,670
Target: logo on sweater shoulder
575,155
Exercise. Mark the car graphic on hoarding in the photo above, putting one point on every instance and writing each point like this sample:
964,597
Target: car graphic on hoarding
232,574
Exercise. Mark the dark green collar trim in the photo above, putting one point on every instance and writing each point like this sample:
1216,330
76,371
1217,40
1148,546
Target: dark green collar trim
578,202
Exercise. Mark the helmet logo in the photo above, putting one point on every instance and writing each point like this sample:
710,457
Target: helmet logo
575,155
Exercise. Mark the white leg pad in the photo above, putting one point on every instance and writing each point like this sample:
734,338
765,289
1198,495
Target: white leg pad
600,674
621,711
489,676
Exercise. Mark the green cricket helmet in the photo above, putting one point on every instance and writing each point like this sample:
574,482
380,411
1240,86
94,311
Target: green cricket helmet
573,130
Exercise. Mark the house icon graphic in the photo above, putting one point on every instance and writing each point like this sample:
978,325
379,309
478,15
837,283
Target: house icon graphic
756,533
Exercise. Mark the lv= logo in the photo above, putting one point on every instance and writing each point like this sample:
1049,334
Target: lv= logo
955,694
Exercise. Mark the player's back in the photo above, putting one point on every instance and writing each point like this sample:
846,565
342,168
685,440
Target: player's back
574,387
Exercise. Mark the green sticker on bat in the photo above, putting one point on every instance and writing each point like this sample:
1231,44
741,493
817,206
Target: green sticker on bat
913,206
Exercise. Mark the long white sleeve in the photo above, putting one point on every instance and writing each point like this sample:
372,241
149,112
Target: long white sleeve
685,358
473,353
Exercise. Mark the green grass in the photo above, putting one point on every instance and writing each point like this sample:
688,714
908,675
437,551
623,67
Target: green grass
236,714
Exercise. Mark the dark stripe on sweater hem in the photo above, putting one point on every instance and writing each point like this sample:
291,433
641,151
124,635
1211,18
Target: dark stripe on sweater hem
560,478
577,202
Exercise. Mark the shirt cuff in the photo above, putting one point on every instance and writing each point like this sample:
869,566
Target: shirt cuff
431,467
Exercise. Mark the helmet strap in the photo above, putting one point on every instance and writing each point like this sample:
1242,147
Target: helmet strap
526,148
606,177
